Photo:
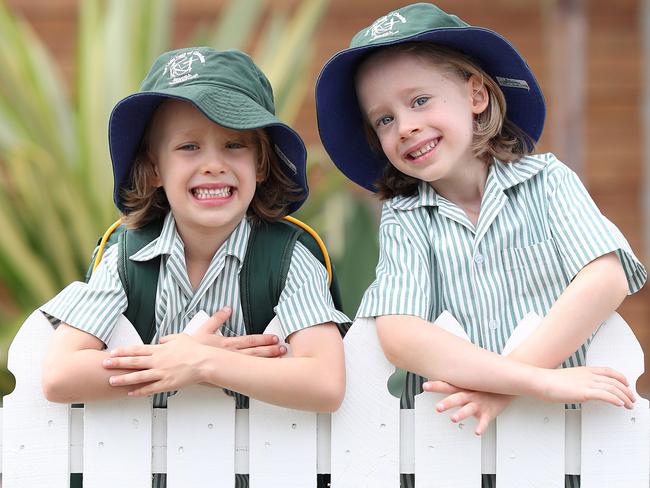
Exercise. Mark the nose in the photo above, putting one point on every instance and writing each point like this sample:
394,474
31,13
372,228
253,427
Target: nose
212,163
407,127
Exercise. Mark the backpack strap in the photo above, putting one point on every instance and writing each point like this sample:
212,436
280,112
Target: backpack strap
139,279
270,248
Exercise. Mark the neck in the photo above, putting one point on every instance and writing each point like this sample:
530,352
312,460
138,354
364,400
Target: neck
465,188
201,244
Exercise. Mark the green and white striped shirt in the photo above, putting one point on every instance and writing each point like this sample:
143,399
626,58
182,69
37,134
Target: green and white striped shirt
95,307
537,228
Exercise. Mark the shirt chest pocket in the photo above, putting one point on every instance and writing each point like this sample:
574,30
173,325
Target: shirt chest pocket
534,271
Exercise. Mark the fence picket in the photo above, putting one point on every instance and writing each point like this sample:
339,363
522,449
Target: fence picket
446,454
282,447
615,448
365,429
530,434
35,432
117,433
200,438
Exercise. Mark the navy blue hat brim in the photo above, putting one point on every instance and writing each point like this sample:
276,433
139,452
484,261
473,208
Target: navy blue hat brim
340,121
130,118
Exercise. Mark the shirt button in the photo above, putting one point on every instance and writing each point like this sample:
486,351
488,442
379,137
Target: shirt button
493,324
478,259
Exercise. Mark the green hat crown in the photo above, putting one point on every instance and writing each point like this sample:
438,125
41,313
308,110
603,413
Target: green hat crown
196,67
405,22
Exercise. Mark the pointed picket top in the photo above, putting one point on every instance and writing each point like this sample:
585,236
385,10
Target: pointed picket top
35,432
446,454
518,456
118,433
615,441
365,429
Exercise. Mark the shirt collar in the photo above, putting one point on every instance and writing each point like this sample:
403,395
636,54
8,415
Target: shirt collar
504,176
169,240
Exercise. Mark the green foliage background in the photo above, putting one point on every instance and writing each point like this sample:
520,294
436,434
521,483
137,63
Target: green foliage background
55,172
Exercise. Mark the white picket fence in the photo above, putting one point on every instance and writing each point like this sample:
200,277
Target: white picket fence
201,440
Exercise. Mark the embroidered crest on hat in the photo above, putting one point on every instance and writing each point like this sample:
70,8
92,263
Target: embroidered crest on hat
180,66
384,26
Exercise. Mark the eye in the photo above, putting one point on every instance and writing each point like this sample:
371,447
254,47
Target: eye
235,145
419,101
190,146
385,120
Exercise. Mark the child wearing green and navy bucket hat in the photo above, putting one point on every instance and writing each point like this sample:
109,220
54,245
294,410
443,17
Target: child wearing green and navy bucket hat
337,104
227,87
441,118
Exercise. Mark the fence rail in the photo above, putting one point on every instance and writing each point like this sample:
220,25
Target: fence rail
201,439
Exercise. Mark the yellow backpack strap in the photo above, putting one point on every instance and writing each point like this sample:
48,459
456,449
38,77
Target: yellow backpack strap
102,243
319,241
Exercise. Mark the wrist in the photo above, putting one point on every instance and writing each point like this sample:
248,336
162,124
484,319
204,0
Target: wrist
207,365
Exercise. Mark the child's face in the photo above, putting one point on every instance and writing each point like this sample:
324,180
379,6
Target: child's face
208,172
422,115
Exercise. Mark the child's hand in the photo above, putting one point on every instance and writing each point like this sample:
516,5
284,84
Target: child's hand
262,345
482,405
582,384
159,367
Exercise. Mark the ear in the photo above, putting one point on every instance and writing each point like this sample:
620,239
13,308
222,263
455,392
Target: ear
478,93
156,180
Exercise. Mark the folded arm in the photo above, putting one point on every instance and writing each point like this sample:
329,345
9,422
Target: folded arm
312,379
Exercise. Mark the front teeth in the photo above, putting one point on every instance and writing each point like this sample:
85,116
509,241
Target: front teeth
203,193
423,150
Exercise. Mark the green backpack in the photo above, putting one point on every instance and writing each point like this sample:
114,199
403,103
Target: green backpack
262,278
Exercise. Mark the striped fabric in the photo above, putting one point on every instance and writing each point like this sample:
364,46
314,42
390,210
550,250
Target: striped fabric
94,307
537,228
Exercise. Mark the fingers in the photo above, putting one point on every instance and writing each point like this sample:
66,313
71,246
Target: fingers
130,362
439,387
455,400
252,341
482,425
622,394
616,384
136,378
216,321
142,350
468,410
265,351
611,373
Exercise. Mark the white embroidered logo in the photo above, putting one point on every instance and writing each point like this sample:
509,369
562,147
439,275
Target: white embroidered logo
180,66
384,26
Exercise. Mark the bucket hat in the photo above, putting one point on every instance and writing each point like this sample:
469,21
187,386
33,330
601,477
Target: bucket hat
226,86
340,121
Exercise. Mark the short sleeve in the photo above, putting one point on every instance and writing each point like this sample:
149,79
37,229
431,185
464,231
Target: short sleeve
404,272
93,307
582,233
306,299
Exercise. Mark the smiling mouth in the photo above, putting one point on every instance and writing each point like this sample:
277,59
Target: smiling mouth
427,148
206,193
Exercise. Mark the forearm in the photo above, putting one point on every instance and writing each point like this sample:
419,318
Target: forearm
596,291
72,369
416,345
79,377
304,383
